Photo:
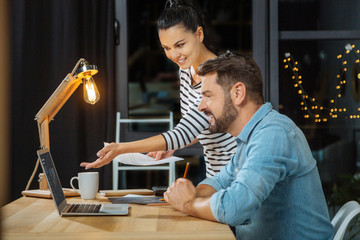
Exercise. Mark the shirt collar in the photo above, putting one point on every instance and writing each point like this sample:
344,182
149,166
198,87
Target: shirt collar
258,116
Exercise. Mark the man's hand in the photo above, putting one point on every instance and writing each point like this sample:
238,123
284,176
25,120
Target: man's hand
183,196
180,193
161,154
106,155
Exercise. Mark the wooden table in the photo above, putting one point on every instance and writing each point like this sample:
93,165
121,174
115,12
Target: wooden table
35,218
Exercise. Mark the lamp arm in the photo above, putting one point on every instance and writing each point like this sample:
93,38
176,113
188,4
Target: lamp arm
77,65
52,106
59,96
43,129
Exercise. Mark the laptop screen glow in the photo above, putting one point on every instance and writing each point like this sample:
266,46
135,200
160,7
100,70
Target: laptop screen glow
52,177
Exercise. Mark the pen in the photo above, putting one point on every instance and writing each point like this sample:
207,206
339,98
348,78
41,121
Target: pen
186,170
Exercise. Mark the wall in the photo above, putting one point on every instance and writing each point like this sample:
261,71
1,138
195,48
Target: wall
4,101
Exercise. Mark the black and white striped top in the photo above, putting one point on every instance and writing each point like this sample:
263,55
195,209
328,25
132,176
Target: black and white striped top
218,147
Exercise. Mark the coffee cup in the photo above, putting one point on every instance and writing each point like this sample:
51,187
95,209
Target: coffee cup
88,184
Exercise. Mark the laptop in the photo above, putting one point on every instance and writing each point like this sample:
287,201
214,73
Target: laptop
61,204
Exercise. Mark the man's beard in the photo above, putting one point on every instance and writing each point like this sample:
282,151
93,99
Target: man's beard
222,123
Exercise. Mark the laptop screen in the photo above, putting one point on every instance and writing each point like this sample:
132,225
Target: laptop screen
51,176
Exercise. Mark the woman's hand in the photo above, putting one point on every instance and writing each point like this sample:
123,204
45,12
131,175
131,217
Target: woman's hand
106,155
161,154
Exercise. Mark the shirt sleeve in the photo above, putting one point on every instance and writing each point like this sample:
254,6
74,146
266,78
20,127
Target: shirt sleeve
241,189
189,127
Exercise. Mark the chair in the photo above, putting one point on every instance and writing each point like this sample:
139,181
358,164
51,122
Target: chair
117,166
343,217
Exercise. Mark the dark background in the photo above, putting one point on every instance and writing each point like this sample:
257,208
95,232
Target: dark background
47,40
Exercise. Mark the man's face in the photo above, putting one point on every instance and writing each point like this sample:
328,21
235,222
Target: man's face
216,104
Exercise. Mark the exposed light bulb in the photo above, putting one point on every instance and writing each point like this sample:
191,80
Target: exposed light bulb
91,93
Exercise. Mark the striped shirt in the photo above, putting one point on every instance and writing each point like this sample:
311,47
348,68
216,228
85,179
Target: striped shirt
218,148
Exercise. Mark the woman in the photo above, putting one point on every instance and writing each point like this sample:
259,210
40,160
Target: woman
185,39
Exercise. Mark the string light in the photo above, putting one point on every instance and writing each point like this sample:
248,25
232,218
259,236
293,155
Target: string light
309,104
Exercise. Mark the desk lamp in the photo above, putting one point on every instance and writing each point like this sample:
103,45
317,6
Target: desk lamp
82,73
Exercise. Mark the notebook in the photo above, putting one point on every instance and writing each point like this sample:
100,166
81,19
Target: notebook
61,204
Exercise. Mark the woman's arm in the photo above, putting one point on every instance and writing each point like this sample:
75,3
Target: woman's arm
109,152
186,131
165,154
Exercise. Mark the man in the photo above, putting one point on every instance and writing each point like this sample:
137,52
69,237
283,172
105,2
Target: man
271,188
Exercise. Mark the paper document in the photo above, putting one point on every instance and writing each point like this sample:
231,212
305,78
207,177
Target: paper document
142,159
138,199
122,209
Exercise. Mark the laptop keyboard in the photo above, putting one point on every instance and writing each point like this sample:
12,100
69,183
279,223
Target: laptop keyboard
84,208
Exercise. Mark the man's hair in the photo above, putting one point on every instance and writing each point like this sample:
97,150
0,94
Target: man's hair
235,67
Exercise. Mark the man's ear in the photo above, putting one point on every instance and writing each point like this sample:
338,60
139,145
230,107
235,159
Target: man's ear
238,93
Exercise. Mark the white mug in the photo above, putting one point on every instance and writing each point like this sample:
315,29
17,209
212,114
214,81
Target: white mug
88,184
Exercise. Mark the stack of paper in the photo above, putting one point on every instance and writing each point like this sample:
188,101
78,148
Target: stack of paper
142,159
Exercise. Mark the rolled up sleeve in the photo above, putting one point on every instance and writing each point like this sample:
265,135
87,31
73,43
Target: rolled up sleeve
241,188
212,182
236,204
216,202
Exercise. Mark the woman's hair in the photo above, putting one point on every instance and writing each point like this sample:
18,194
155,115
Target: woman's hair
191,16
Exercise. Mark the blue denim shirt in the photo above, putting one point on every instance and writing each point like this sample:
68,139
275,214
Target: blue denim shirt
271,188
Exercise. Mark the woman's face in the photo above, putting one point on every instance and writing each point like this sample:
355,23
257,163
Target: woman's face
181,45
